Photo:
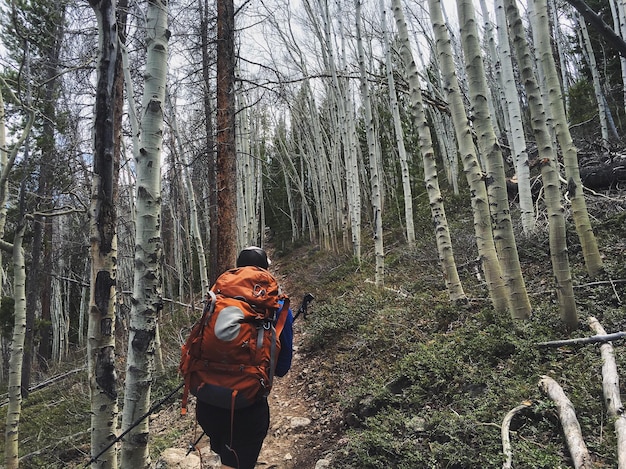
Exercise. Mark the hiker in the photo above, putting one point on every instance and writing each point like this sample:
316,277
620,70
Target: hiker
249,425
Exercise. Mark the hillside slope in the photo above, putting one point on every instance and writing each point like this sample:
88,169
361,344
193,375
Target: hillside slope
399,377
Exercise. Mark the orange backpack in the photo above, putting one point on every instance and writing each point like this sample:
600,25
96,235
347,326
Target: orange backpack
229,357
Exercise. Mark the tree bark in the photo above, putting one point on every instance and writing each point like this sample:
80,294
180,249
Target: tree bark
569,422
504,237
147,283
225,227
471,166
437,209
103,251
588,241
373,146
11,449
549,172
611,392
516,123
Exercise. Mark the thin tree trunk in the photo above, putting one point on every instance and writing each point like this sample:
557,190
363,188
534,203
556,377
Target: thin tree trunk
226,152
399,134
373,150
549,173
494,163
569,422
472,169
14,409
518,140
147,284
11,440
103,251
611,391
591,253
193,207
442,233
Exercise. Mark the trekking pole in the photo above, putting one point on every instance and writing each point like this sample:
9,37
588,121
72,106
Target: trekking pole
192,446
135,423
304,305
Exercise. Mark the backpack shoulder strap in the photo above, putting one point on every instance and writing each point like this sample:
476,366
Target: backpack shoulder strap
283,312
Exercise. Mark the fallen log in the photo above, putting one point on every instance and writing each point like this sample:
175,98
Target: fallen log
584,340
571,428
504,432
611,392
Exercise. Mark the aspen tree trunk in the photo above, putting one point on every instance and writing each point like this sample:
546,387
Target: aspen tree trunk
494,93
399,134
373,150
103,249
147,284
471,167
561,47
619,26
549,173
441,123
437,210
611,391
4,182
495,179
225,229
11,440
193,207
516,124
11,449
591,253
595,76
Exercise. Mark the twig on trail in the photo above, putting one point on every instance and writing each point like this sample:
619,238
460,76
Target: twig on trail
584,340
504,431
571,428
611,392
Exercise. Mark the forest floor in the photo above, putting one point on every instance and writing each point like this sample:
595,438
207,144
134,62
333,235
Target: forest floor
398,377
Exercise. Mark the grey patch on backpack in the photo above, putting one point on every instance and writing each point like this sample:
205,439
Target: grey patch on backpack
228,323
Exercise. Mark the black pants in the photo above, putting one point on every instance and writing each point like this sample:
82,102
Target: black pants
238,442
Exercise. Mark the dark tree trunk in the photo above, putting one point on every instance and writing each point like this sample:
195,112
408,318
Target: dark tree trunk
226,182
210,143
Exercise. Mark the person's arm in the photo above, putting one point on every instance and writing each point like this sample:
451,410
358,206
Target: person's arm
283,363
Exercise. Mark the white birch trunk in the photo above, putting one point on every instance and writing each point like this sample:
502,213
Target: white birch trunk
472,169
193,206
147,299
373,151
549,173
103,251
591,253
518,139
14,408
593,67
611,391
442,233
619,26
399,134
560,41
571,428
494,163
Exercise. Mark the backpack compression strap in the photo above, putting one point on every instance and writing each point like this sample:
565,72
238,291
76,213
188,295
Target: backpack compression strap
209,307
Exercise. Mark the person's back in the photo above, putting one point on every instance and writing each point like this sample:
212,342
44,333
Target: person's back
237,434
